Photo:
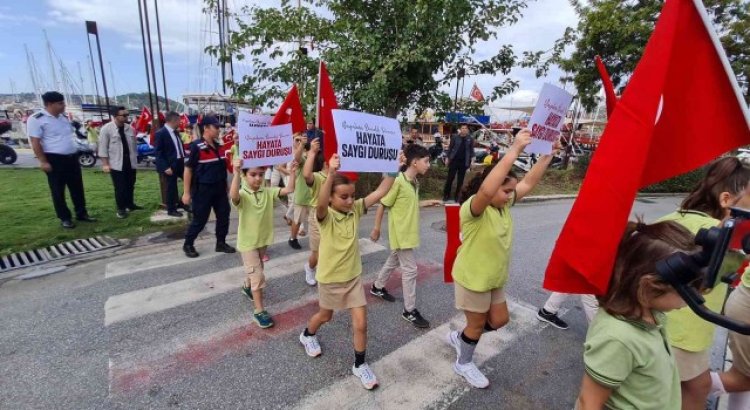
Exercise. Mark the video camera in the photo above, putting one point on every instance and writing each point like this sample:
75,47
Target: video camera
723,251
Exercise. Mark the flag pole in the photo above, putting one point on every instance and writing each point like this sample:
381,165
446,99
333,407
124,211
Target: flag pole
317,100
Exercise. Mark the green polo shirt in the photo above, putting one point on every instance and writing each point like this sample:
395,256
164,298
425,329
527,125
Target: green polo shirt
318,179
339,259
402,202
302,193
483,259
256,218
686,330
633,359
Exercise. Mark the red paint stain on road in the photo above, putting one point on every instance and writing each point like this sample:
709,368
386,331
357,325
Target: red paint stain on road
132,378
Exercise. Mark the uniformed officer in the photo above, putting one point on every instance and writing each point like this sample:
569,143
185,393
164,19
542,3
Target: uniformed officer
205,182
51,135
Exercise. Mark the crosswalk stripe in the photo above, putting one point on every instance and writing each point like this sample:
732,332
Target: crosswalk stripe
130,265
142,302
420,373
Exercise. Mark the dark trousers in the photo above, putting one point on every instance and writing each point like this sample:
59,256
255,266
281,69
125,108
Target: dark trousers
453,171
124,182
205,197
172,195
66,171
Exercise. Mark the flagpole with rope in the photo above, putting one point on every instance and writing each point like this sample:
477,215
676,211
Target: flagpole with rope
317,97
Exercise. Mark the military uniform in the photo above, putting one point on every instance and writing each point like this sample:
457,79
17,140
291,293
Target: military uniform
56,136
209,189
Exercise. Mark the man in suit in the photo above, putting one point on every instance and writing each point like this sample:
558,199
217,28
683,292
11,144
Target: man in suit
460,157
170,159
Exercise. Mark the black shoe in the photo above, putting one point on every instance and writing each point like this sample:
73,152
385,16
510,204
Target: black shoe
294,243
190,251
86,218
122,214
68,224
247,292
176,214
133,207
223,247
382,294
416,319
551,318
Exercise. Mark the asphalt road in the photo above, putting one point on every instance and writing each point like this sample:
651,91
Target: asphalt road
154,330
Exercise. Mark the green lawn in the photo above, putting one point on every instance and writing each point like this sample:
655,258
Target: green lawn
28,221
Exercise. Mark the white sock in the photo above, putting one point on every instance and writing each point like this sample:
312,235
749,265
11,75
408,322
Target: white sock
717,387
739,401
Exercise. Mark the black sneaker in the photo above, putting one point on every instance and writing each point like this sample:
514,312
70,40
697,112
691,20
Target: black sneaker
551,318
134,207
416,319
294,243
223,247
382,294
122,214
67,224
247,292
86,218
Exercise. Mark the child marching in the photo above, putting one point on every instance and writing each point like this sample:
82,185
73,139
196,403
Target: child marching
402,202
315,173
487,229
255,204
339,274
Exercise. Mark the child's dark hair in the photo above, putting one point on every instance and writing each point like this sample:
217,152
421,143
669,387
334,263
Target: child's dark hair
412,152
319,162
723,175
340,179
476,181
634,279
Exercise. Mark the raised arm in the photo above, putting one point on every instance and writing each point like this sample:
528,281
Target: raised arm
497,176
307,170
299,148
234,190
324,197
536,173
289,188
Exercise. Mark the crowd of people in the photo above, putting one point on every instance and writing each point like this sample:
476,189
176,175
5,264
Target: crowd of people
644,348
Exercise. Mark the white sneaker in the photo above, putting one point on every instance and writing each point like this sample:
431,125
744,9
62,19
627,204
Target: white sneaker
310,275
472,375
312,347
366,376
454,340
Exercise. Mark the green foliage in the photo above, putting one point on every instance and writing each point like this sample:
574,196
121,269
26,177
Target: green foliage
30,221
681,183
383,56
618,31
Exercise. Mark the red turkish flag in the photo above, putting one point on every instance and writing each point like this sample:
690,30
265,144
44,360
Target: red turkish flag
453,240
327,103
184,121
144,119
290,112
609,88
476,93
657,131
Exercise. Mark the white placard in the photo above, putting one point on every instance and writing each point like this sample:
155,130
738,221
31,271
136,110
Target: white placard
367,143
265,146
248,119
548,118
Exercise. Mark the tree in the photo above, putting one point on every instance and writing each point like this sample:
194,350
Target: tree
384,56
618,31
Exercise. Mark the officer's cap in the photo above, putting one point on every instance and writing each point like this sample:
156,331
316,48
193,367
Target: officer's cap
211,120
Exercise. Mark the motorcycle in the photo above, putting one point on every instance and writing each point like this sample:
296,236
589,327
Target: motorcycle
86,154
8,155
146,152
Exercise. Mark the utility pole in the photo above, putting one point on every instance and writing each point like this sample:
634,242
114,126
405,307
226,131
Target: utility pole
145,58
161,54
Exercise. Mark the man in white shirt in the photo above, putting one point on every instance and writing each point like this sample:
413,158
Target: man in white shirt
51,136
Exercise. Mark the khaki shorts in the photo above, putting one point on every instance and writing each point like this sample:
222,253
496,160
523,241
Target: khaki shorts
253,263
343,295
738,307
314,230
691,364
301,213
477,302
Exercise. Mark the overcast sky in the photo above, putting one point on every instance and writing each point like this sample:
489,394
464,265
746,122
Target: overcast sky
185,33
